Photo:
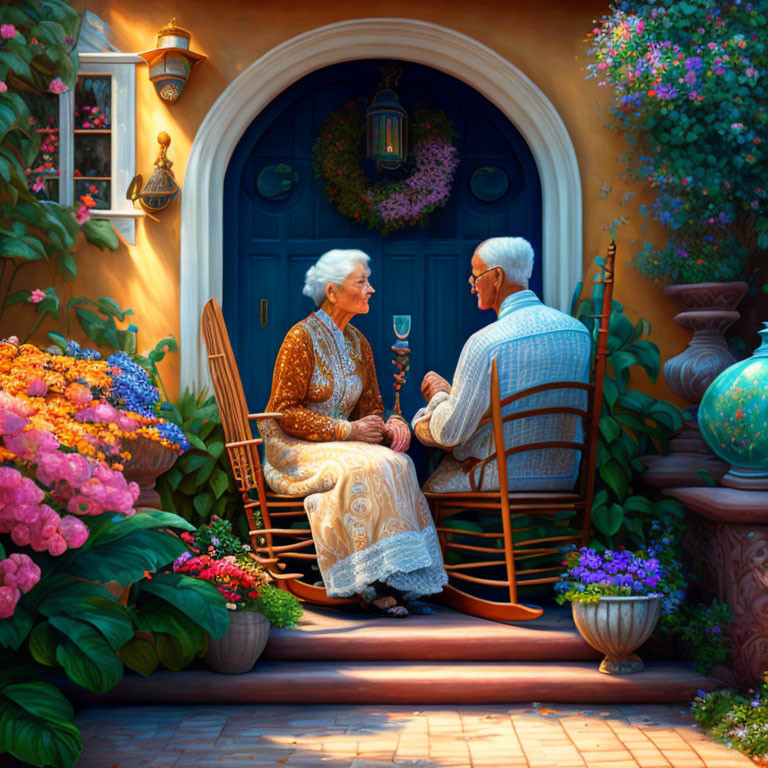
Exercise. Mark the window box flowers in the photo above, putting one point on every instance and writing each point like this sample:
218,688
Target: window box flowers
614,602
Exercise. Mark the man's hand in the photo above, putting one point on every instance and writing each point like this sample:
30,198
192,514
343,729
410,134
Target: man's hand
370,429
399,432
432,384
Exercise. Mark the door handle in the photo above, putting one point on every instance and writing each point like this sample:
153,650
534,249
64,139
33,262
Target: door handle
264,312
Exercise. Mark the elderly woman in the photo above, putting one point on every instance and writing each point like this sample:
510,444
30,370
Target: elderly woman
370,522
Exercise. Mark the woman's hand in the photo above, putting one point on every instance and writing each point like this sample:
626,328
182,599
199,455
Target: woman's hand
369,429
399,432
432,384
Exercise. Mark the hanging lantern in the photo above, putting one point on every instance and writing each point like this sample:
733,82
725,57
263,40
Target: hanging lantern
161,189
387,125
171,61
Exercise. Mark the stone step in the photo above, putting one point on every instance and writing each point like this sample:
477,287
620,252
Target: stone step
390,682
336,635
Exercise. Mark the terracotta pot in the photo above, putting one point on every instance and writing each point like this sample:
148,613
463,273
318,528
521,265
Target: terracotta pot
240,648
148,461
617,626
709,309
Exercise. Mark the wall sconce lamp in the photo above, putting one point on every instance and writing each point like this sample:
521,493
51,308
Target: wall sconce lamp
161,189
171,61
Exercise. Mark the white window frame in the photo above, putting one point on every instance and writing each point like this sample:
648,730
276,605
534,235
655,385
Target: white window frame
122,68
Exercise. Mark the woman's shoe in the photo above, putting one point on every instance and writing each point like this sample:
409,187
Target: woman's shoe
394,611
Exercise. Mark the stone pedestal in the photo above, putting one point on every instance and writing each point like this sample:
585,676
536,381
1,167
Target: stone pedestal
681,467
729,542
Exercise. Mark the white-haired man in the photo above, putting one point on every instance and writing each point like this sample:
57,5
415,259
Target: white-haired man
533,344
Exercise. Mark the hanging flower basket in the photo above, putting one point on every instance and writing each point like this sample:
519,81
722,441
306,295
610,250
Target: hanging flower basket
391,206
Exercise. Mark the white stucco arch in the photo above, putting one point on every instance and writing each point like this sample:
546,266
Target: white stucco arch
444,49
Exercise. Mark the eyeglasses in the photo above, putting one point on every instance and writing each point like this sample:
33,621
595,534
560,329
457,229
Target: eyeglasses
474,278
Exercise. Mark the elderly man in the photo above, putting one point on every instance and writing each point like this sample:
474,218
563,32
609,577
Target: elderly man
533,344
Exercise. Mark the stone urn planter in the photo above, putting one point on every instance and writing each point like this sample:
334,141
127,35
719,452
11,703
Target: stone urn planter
617,626
148,461
709,308
241,646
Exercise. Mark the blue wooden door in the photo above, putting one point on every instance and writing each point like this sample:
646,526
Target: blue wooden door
270,243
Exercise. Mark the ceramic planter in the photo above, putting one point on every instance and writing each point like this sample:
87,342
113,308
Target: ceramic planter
733,417
148,461
241,646
617,626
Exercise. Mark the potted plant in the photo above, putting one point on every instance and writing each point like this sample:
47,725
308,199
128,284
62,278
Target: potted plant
688,92
614,604
219,557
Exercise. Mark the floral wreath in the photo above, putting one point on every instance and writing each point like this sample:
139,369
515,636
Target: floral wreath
393,205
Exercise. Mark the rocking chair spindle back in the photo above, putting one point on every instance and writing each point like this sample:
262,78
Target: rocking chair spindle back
534,504
242,449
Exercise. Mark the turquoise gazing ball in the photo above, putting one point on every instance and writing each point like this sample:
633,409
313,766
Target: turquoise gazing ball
733,414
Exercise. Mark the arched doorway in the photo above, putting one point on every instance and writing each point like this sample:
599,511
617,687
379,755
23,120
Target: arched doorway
269,242
451,52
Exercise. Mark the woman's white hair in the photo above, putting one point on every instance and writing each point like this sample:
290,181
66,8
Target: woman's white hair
513,254
332,267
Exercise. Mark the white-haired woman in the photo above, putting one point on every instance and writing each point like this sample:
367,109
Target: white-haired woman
371,525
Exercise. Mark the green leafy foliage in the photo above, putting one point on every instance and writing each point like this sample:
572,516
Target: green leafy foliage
37,61
702,631
280,607
632,424
737,721
70,622
688,92
201,484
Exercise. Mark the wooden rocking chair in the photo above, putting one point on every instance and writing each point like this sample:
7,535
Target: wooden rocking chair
271,545
540,504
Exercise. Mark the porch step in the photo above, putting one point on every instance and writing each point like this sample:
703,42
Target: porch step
337,635
345,682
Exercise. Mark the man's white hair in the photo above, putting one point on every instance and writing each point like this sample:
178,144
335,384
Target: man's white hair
332,267
513,254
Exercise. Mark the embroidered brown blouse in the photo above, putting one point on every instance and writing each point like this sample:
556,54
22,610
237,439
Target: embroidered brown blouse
306,379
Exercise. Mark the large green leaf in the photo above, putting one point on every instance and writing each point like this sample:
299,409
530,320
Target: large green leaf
86,656
157,618
125,560
15,628
18,248
42,644
608,520
106,615
91,323
140,656
199,600
146,518
100,233
615,476
36,725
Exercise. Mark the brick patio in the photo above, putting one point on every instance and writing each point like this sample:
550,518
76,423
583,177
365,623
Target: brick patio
532,736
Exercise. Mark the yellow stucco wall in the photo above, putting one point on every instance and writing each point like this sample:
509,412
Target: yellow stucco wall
545,40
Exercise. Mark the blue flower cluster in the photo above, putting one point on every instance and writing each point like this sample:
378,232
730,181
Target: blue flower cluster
134,389
610,569
73,349
133,386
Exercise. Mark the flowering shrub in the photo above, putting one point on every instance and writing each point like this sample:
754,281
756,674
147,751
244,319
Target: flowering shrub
737,721
688,82
86,403
218,556
591,575
396,205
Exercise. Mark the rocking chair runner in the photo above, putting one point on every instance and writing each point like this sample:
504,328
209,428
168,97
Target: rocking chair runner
542,504
242,448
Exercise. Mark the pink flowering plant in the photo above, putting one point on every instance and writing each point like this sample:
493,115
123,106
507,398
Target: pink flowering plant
68,529
689,91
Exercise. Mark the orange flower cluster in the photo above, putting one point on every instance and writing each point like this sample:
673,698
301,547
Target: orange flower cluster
54,388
